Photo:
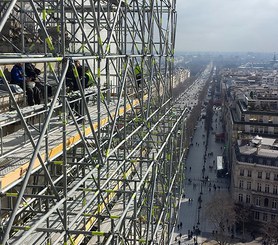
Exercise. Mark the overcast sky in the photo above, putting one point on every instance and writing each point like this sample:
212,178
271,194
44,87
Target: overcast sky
227,25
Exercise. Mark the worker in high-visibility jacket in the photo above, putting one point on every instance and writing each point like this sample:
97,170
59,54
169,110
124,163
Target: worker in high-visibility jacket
138,74
89,79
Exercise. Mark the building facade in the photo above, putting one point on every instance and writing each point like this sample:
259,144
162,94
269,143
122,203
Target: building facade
251,119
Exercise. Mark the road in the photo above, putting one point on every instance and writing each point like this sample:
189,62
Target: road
190,215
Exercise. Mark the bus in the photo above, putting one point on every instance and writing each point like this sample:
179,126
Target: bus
221,171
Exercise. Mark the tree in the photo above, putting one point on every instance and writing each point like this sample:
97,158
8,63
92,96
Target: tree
243,216
220,210
270,230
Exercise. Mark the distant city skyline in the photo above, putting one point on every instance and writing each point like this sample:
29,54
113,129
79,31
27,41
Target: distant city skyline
227,25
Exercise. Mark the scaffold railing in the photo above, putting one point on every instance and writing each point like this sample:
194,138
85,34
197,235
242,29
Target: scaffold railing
99,163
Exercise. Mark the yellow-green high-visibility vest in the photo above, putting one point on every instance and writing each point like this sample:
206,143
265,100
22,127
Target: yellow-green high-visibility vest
137,70
91,80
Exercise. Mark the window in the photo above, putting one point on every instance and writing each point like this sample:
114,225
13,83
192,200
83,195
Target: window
273,217
241,184
275,188
249,173
267,188
257,215
274,204
275,176
240,197
248,185
266,202
267,175
264,216
247,198
259,187
241,172
258,201
260,174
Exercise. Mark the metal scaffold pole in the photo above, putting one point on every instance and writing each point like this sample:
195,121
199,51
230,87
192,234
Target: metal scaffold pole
98,159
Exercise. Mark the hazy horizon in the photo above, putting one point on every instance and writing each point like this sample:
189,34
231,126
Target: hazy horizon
227,26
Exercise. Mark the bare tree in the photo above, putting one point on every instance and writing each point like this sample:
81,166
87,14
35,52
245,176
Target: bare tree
270,230
220,210
243,216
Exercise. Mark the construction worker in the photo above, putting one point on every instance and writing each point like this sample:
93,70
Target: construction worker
138,74
71,81
89,80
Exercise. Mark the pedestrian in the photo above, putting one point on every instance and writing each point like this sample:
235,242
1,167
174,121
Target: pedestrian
178,227
189,168
179,242
181,224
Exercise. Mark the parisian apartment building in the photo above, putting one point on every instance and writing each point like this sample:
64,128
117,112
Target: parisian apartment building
251,119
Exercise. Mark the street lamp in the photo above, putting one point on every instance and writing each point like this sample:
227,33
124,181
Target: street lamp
201,193
203,171
199,209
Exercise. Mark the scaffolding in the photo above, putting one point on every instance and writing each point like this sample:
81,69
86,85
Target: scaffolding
100,164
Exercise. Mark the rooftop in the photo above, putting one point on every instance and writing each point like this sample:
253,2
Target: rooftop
259,146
